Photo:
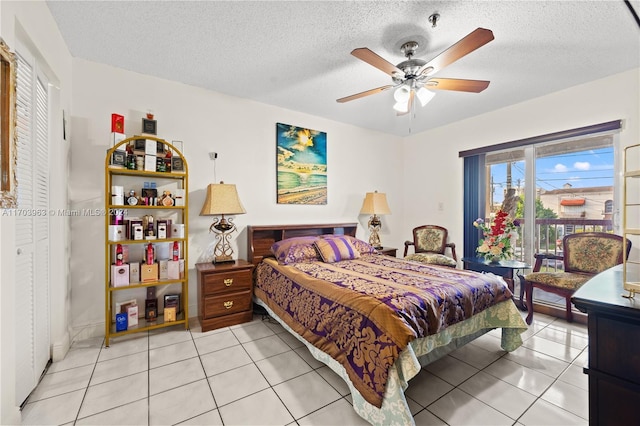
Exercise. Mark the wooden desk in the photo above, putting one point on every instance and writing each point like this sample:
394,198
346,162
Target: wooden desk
614,349
389,251
504,268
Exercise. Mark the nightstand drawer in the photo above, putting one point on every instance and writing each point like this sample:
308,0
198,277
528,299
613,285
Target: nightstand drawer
227,282
215,306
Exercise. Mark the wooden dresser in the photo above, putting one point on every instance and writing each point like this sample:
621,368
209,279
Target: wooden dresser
225,293
614,349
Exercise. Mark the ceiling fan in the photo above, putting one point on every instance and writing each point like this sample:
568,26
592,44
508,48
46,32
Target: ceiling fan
411,77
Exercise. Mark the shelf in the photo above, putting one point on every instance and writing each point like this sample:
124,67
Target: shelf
143,325
142,173
131,242
119,207
138,291
147,284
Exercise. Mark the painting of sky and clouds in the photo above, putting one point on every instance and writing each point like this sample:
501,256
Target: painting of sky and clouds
302,165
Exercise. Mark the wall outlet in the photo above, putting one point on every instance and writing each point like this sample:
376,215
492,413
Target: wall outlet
441,206
213,155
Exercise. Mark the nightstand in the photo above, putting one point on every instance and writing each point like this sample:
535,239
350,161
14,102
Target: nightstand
389,251
224,294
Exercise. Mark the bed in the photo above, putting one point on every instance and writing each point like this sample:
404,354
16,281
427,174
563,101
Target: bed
373,319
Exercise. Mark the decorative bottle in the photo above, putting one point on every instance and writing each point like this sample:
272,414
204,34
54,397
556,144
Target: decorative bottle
119,255
150,254
176,251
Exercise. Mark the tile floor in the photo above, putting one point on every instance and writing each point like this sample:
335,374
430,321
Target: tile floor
258,374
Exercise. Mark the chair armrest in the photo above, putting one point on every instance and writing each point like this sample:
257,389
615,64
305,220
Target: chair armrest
452,246
406,247
544,256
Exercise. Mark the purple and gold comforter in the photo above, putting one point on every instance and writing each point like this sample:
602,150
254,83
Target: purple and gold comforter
364,312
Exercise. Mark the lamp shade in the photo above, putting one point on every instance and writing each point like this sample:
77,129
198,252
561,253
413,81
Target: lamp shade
375,203
221,198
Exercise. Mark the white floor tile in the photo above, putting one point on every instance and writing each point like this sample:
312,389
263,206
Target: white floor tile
451,370
172,353
569,397
500,395
575,376
251,331
114,393
236,384
425,388
244,411
545,413
62,382
174,375
476,355
56,410
518,375
427,418
460,408
180,404
135,413
334,380
538,361
225,360
76,358
120,367
209,418
306,394
282,367
170,336
266,347
551,348
125,345
215,342
338,413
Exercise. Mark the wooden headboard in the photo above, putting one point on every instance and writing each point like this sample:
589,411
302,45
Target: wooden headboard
262,237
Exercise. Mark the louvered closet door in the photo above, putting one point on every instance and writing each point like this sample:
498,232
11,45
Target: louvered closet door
32,230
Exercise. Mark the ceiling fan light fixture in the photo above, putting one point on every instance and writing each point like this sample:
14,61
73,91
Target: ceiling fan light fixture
401,95
424,95
402,106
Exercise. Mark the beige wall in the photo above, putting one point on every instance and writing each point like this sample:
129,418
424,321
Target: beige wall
31,24
433,172
242,132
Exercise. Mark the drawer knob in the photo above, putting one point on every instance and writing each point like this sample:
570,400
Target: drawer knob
228,282
228,304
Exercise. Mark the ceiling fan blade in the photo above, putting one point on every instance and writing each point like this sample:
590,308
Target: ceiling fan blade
377,61
363,94
477,38
460,85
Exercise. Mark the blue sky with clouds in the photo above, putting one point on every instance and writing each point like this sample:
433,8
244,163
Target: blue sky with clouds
580,169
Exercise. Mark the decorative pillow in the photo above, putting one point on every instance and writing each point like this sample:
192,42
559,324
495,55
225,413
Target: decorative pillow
296,249
361,246
336,249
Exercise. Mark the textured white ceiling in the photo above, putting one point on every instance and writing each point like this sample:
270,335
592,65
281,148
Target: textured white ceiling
296,54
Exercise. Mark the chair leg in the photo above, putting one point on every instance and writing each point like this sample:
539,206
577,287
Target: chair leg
529,294
569,312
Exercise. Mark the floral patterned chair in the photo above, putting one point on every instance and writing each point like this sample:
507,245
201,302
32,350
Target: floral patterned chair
429,243
585,255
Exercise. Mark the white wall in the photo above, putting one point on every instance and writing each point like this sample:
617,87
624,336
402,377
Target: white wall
433,172
242,132
32,24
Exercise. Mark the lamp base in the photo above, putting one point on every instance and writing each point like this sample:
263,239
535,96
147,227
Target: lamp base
222,259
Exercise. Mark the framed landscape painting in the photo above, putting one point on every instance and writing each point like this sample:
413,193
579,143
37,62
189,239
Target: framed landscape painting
302,165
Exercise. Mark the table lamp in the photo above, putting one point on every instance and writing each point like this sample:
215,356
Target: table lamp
222,199
375,203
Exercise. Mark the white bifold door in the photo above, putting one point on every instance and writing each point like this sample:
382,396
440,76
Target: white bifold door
32,321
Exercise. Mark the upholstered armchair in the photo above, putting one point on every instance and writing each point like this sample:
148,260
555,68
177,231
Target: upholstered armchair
585,255
429,244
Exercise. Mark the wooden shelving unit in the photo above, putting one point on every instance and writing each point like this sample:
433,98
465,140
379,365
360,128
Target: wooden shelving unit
117,175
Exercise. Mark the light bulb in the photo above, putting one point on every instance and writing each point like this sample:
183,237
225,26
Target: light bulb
424,95
401,106
402,93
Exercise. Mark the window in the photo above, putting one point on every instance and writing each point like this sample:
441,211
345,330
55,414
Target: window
573,178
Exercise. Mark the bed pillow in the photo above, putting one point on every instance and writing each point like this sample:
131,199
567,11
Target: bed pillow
361,246
296,249
336,249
